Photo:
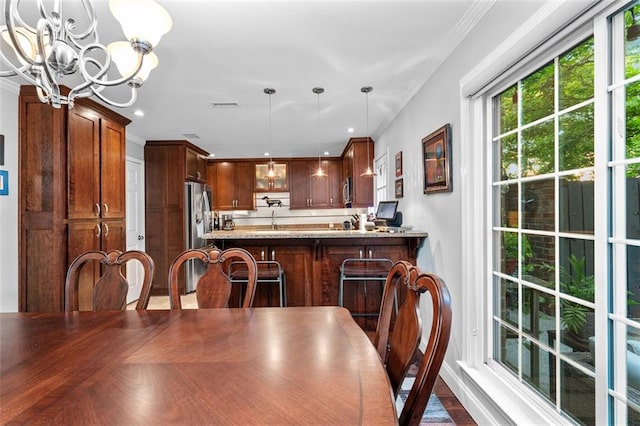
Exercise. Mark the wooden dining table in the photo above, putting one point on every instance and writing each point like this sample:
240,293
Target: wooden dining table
307,365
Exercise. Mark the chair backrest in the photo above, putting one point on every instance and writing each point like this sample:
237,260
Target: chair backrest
398,351
110,291
214,287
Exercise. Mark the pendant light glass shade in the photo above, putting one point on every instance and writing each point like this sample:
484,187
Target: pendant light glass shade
126,60
319,172
369,172
143,20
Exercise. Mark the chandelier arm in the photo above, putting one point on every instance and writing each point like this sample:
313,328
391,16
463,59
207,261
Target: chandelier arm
15,70
134,95
42,25
87,88
103,69
11,8
11,29
91,30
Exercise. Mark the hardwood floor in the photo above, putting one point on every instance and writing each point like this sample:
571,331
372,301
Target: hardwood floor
456,411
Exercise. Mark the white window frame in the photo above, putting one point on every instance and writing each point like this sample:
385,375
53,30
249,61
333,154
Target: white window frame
491,378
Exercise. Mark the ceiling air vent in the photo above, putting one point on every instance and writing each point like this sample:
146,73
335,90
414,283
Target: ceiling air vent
191,136
223,104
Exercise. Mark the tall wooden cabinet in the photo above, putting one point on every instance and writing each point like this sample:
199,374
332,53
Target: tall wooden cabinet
168,164
72,194
354,162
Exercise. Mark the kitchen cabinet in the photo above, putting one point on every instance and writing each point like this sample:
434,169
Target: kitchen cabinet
313,192
196,165
294,256
333,254
166,165
279,182
72,190
233,184
355,162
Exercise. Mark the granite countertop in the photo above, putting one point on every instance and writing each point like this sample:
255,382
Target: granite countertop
310,233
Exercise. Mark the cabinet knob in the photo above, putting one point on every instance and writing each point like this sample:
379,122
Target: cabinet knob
106,229
98,231
106,209
96,210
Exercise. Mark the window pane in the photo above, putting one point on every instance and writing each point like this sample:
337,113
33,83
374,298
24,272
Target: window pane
633,122
535,366
538,149
539,259
633,206
575,75
538,203
632,41
506,347
633,364
575,139
578,327
506,155
506,297
507,105
633,282
507,196
576,268
509,249
576,204
577,393
537,94
538,313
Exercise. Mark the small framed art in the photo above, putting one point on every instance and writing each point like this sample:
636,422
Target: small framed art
399,164
436,158
399,188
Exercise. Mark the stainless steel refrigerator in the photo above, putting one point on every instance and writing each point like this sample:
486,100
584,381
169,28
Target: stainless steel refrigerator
197,208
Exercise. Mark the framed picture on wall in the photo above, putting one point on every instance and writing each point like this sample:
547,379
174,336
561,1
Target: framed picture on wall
399,188
399,164
436,159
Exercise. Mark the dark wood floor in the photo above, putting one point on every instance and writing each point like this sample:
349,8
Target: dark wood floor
456,411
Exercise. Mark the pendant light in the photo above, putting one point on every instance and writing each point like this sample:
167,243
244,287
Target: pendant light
369,172
319,172
271,174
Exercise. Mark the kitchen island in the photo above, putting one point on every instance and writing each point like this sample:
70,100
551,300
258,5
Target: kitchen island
311,259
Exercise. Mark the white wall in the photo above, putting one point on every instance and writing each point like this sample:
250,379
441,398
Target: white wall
440,214
9,204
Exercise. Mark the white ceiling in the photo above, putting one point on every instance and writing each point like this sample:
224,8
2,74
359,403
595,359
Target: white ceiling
231,50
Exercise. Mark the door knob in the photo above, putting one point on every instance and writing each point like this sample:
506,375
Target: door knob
140,237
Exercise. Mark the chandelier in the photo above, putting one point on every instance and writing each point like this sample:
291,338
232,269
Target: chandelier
55,51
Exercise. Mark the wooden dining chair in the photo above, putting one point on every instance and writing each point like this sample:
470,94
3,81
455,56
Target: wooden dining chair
398,347
214,287
110,291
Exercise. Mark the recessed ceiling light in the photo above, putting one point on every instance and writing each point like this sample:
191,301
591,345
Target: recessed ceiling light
138,113
212,155
326,153
266,154
350,130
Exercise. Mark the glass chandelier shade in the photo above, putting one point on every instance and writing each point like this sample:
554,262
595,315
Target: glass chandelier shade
54,50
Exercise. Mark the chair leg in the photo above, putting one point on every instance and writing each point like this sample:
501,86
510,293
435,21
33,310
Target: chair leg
341,291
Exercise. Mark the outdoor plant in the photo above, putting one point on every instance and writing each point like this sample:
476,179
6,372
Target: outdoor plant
575,282
510,241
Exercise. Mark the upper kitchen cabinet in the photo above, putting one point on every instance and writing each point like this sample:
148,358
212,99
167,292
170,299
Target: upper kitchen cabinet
72,193
97,151
190,161
358,189
233,184
314,192
276,181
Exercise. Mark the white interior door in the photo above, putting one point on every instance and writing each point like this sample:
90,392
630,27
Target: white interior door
135,224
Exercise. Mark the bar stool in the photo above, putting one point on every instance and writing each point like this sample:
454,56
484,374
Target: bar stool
364,270
269,272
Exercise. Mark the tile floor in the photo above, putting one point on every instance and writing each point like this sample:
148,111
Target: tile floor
162,302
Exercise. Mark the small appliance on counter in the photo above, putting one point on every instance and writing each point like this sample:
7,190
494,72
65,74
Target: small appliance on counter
227,222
